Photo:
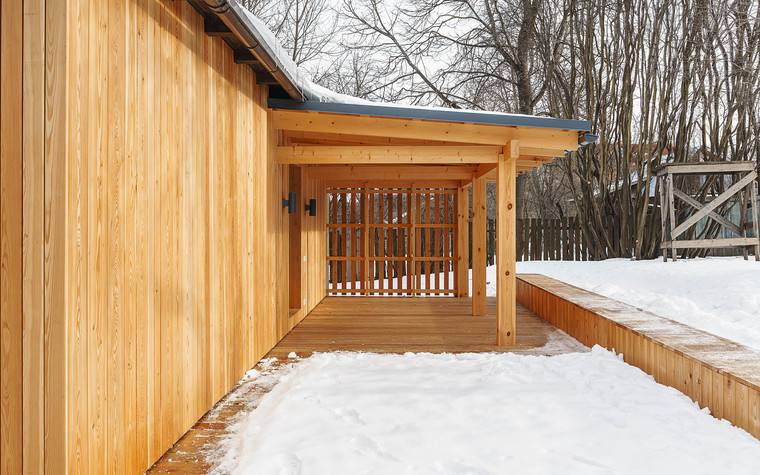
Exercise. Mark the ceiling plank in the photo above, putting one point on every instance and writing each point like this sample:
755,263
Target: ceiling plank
323,138
394,154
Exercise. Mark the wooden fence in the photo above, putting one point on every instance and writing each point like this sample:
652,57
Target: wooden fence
552,240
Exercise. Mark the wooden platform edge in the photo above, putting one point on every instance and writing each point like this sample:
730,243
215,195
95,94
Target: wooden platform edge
714,372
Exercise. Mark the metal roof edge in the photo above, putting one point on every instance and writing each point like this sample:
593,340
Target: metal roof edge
453,115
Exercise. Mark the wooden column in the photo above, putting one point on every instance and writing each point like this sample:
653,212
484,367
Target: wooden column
505,245
663,218
479,246
672,215
755,226
463,241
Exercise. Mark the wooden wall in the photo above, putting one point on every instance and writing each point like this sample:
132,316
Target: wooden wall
154,263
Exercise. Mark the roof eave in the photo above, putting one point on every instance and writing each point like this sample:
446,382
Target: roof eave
453,115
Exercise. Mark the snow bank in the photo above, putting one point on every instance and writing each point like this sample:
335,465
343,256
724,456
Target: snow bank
483,413
720,295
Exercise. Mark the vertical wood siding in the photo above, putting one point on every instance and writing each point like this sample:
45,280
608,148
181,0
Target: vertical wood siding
153,270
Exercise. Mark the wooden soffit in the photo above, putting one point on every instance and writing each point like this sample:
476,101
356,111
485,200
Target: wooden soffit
310,137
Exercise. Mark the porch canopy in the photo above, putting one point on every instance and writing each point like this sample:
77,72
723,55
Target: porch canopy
366,145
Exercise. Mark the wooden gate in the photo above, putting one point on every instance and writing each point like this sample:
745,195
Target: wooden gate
392,241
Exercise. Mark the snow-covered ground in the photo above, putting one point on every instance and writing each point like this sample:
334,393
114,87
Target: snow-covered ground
720,295
349,413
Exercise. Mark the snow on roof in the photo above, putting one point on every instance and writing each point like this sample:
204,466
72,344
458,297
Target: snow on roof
322,99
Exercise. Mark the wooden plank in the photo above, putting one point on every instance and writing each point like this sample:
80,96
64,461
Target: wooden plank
705,168
76,249
417,233
505,252
343,205
422,129
711,243
400,239
367,270
463,241
446,236
664,211
11,237
478,246
394,154
431,235
33,406
390,173
671,215
755,218
334,246
56,127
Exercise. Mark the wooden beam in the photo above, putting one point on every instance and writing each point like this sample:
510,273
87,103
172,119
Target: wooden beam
697,205
484,134
393,183
755,224
506,243
479,246
711,243
705,168
531,162
394,154
544,150
243,56
263,77
463,241
385,172
324,138
484,169
713,204
217,28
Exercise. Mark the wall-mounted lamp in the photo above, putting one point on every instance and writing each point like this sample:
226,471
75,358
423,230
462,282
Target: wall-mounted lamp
311,207
290,203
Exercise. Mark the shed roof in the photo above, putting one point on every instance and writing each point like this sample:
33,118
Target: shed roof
256,45
432,113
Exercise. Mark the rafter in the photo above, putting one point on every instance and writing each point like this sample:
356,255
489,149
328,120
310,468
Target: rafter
384,172
396,154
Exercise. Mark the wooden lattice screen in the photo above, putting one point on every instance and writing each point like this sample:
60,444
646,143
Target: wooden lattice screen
385,241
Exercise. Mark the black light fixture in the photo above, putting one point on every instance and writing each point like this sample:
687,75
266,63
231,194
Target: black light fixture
311,207
290,203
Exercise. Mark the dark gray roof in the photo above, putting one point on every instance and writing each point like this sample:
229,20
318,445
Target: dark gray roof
447,115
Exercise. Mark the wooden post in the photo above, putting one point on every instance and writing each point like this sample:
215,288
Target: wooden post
479,246
663,220
366,275
505,251
743,204
463,244
755,225
672,212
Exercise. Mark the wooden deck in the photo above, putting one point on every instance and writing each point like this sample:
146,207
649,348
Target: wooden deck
373,324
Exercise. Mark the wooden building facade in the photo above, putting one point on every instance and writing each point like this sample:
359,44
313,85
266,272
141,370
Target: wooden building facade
147,259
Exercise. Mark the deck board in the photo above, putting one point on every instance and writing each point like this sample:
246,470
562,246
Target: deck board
372,324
